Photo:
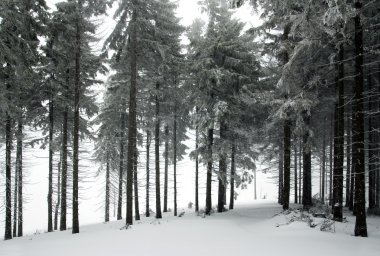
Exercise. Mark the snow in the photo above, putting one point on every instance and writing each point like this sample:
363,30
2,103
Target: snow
252,228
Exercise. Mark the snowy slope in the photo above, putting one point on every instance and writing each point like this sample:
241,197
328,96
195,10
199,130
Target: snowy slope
250,229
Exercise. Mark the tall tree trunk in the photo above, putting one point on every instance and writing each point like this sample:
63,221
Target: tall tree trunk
255,184
147,208
78,53
348,162
132,124
331,163
358,129
323,163
51,154
157,156
300,172
378,142
196,169
121,163
210,139
20,212
135,185
166,153
222,167
57,205
371,150
15,194
108,184
287,159
175,159
295,172
339,138
8,177
352,181
307,190
62,225
281,173
232,179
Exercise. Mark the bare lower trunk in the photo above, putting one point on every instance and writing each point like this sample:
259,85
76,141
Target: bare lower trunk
306,195
348,163
371,150
136,186
222,168
210,138
339,138
8,177
175,159
108,183
166,153
281,172
323,164
358,129
20,212
157,156
121,163
232,180
287,159
51,153
77,89
56,213
295,173
196,170
147,208
64,172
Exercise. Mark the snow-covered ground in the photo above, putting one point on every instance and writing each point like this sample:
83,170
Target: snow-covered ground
254,228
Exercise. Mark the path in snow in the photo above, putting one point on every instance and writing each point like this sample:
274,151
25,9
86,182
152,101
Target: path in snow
247,230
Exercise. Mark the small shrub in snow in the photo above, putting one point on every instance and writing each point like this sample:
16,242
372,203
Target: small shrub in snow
190,205
328,225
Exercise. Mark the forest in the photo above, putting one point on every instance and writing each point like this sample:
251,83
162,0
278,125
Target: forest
298,93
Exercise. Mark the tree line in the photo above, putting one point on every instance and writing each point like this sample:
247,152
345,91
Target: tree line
305,84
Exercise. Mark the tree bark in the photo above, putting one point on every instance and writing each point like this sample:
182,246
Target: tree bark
323,164
295,172
358,129
300,173
157,156
339,138
281,173
108,183
15,194
307,190
135,185
175,159
132,125
166,168
352,182
56,212
8,176
287,159
78,53
348,163
20,212
331,163
210,138
222,167
64,171
378,142
371,150
232,179
147,208
196,169
121,163
51,153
